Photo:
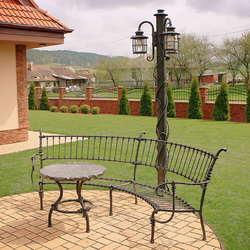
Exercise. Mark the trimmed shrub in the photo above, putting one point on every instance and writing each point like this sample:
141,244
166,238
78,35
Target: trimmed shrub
54,109
248,106
95,111
221,107
44,103
194,105
64,109
85,109
171,112
147,107
32,97
124,108
74,109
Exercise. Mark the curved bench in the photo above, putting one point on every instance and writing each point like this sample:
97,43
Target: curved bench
184,165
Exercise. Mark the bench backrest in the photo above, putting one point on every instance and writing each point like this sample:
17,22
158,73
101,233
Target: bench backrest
191,163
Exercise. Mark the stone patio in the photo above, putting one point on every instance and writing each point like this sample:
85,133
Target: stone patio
24,226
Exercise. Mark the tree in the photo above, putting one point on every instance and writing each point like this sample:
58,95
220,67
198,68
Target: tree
248,106
239,48
32,97
221,107
112,69
227,61
147,107
203,55
136,67
183,62
44,103
194,105
195,55
171,112
124,108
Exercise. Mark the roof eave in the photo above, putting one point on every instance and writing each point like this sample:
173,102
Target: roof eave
32,27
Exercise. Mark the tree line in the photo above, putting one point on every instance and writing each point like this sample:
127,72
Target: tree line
73,58
196,56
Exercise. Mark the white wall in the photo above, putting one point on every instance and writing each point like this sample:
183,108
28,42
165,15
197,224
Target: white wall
8,88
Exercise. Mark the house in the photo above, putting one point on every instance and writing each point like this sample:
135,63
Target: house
56,76
85,73
23,25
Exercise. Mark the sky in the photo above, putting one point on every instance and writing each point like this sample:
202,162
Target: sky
105,26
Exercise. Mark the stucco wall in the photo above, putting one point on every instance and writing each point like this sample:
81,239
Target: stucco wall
8,88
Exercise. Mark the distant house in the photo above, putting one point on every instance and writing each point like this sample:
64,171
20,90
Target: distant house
85,73
23,25
56,76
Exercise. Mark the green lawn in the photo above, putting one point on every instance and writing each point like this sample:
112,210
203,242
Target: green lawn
227,200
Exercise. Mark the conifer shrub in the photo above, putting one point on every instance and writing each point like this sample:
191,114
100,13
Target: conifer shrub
124,108
85,109
74,109
44,103
54,109
32,97
194,105
64,109
221,106
147,107
248,106
171,112
95,111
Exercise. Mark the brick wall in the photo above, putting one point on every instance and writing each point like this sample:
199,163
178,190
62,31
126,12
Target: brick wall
21,134
237,111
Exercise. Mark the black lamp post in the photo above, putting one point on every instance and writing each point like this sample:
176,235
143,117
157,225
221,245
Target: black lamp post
166,41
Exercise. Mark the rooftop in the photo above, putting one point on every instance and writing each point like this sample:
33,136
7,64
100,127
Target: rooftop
27,14
51,73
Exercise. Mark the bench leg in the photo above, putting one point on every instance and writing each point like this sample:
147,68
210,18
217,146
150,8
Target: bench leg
152,220
111,202
41,194
202,226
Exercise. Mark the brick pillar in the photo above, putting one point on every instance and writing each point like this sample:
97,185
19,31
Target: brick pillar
22,87
119,89
38,96
62,92
156,89
38,92
204,94
22,92
89,93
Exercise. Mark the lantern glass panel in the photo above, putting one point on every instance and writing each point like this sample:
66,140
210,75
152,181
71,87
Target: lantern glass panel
171,42
139,45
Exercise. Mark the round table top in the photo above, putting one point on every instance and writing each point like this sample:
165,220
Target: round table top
72,171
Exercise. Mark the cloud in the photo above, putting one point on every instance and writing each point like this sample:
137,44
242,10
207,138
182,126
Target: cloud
105,27
222,7
112,4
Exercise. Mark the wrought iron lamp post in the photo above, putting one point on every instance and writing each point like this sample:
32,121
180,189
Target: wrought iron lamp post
166,41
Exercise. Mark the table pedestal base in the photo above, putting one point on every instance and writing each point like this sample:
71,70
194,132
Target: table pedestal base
84,210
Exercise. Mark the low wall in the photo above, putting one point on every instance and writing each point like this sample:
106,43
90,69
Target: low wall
237,110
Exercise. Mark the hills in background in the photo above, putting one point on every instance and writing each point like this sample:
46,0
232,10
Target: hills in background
59,57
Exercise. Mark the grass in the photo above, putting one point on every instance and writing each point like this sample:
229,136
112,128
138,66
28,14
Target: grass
227,200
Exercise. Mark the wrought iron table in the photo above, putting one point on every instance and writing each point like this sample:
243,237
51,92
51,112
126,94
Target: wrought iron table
78,172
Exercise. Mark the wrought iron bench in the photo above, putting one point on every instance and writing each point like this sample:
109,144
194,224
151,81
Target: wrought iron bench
185,166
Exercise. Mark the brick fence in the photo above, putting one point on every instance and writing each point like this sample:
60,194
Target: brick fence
107,106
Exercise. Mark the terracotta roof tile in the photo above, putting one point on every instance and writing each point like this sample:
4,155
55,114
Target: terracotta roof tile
14,12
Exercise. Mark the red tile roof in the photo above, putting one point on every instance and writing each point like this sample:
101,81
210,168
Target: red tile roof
27,14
